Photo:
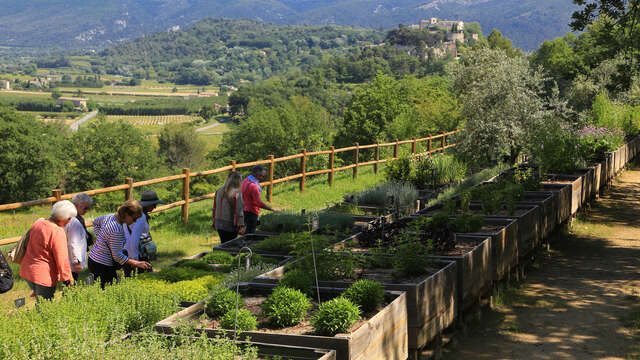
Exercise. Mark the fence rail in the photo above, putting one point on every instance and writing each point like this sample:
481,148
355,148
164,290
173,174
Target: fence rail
186,175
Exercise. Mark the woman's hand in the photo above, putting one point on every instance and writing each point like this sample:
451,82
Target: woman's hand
141,264
76,267
241,230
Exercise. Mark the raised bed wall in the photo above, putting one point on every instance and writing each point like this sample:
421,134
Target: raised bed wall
575,181
529,232
383,336
431,303
548,203
475,271
588,182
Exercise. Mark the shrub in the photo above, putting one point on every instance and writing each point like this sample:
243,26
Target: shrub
194,264
365,293
338,222
403,195
246,320
223,302
410,259
335,316
298,279
175,274
595,141
439,169
467,223
283,222
400,170
283,243
286,306
218,257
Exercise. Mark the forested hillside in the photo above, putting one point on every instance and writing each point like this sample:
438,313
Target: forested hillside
216,49
47,24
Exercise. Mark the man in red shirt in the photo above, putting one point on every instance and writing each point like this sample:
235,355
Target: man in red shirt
251,190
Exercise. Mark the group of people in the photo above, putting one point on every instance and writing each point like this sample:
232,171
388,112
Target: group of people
57,248
237,204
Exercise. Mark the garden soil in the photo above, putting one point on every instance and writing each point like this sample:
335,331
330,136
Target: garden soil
578,300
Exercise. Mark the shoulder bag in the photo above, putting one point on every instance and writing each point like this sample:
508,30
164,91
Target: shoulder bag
6,275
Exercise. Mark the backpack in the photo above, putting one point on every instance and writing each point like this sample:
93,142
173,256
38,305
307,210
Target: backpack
148,249
6,275
18,252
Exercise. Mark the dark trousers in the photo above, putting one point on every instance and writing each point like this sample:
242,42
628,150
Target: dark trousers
75,276
227,235
45,292
250,222
104,272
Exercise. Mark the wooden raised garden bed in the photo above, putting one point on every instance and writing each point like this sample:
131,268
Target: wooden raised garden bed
277,259
575,181
562,196
588,183
431,301
381,336
548,203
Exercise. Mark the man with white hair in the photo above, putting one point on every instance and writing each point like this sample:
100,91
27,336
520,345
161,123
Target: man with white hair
46,260
77,235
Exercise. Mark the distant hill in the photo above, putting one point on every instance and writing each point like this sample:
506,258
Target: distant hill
75,24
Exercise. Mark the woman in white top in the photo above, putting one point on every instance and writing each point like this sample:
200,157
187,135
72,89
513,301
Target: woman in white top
77,235
133,233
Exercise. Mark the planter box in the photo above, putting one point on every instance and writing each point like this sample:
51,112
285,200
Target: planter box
597,179
431,303
475,270
611,168
282,259
576,188
548,203
588,181
529,233
383,336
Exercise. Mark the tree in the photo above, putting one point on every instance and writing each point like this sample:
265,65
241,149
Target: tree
104,153
560,59
180,146
207,112
495,40
501,103
30,161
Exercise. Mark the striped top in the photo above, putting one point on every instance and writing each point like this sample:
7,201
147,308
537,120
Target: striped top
108,229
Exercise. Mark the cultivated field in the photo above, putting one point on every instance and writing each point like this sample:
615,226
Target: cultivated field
154,120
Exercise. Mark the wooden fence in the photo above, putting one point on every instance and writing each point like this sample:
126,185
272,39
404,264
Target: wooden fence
440,142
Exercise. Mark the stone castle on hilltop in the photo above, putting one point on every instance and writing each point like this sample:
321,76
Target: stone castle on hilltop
454,33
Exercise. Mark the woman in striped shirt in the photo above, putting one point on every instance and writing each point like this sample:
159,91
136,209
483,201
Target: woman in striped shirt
107,256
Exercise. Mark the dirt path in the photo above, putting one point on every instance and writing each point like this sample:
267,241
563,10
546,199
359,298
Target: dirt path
578,298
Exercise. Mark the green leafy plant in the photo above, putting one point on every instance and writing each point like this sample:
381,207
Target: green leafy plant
194,264
223,302
467,223
294,222
439,169
245,320
410,259
399,194
286,306
330,265
299,280
400,170
527,177
365,293
175,274
335,316
218,257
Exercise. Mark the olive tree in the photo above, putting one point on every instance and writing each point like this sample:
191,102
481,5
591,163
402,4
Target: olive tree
501,103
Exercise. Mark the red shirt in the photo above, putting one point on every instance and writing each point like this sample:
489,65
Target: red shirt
251,197
46,260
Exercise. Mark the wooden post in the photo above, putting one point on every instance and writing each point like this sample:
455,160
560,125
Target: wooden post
233,165
395,150
375,166
429,144
270,188
356,156
413,147
56,193
444,141
303,169
128,193
185,195
332,156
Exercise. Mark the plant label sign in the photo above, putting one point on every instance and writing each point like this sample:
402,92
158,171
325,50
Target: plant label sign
315,222
90,279
19,302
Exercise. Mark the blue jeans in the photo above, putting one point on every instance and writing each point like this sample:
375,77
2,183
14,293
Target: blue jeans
44,292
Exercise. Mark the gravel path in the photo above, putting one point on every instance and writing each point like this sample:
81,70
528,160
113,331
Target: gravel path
578,301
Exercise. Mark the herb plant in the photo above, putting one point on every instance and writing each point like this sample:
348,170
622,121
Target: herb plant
299,280
223,302
335,316
410,259
365,293
246,320
286,306
218,257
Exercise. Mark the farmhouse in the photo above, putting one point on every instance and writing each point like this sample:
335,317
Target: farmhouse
5,85
78,103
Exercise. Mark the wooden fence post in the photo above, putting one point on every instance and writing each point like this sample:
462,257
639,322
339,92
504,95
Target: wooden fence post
375,166
444,141
270,188
57,193
233,165
303,169
395,150
128,193
413,147
185,195
332,156
429,145
356,158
